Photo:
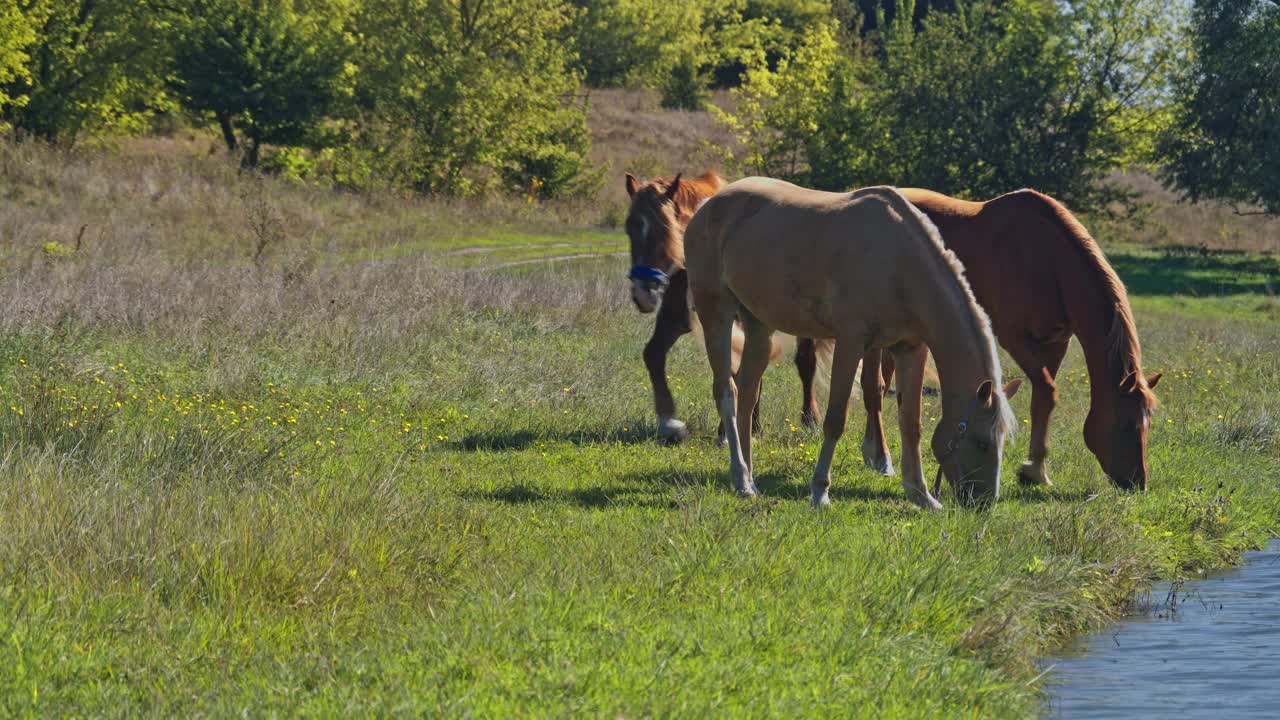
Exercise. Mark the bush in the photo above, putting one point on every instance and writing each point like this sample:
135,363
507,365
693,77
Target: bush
686,87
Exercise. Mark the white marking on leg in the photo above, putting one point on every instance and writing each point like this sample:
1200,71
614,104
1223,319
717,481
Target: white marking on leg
870,450
916,490
738,472
820,486
669,428
1033,472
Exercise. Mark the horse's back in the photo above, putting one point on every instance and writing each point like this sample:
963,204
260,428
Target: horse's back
791,252
759,199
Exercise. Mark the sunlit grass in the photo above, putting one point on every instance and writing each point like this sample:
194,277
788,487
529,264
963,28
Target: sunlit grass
402,488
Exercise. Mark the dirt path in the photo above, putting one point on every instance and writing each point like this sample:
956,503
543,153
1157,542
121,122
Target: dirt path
478,249
544,260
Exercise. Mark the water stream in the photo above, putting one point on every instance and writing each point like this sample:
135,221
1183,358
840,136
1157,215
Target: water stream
1206,648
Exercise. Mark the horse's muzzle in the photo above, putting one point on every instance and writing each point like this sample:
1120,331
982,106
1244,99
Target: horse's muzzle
647,286
646,299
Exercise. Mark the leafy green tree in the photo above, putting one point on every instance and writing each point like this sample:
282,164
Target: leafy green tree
976,102
17,34
683,47
93,64
779,111
1224,142
469,95
267,68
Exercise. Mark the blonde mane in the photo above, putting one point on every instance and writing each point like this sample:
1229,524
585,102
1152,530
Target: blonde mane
952,265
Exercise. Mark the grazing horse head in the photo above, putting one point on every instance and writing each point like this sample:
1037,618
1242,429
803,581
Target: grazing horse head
969,447
655,226
1116,429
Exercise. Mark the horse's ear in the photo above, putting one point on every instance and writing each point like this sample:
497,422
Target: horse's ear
984,393
632,185
1154,380
673,187
1011,388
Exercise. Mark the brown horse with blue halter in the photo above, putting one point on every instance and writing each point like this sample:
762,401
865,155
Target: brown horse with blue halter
660,210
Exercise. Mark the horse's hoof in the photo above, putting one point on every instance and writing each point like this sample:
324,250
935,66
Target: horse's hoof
925,501
1031,475
817,502
672,431
722,442
809,420
881,464
884,466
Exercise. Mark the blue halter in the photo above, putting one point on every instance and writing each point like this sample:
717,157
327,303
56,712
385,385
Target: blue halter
650,276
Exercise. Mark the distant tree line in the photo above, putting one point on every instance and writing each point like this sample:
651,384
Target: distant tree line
970,97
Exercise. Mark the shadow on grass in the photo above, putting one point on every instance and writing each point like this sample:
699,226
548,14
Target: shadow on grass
654,490
1054,495
1182,270
590,498
524,439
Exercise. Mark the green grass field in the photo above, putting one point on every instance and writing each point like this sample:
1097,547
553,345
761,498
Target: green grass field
273,451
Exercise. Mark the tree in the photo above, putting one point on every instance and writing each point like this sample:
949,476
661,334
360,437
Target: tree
265,67
1224,142
683,48
17,34
975,103
91,64
779,112
469,95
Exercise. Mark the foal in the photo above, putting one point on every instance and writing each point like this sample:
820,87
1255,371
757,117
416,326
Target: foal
869,270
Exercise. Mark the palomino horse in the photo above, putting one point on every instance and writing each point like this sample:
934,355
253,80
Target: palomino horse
869,270
660,209
1042,279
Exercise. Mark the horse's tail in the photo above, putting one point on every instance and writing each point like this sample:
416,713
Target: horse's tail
777,348
825,349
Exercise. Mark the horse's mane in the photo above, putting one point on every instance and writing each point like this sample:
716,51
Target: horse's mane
1007,422
1121,345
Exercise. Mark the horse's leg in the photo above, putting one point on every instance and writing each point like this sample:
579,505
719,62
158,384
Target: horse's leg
875,451
807,366
1042,371
672,322
844,366
756,427
717,311
910,363
757,342
886,370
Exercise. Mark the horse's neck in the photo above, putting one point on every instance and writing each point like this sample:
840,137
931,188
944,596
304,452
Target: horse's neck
1105,373
961,350
1086,303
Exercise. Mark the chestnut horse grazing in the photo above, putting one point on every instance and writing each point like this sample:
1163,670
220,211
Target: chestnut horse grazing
655,224
1042,278
869,270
